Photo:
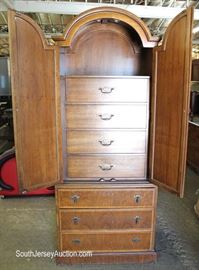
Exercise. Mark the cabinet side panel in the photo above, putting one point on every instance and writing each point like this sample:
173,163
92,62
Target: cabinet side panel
170,121
34,104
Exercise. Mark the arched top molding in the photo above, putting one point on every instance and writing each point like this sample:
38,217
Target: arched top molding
101,13
90,30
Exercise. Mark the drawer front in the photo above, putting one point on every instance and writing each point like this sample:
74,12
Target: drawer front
105,198
116,241
105,219
133,166
107,116
106,141
85,90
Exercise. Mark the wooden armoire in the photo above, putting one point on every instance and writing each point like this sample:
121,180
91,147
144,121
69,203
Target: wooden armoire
103,114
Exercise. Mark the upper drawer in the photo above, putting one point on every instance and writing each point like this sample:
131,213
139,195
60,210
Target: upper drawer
85,90
103,166
106,198
107,116
106,141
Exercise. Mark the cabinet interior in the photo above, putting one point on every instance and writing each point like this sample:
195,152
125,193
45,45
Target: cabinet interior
106,48
105,52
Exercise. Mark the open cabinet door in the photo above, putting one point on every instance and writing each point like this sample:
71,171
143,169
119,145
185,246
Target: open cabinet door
35,101
170,100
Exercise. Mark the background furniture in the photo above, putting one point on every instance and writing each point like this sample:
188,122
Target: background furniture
193,146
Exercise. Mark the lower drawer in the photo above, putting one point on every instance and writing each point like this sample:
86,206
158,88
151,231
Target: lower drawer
132,166
101,219
106,241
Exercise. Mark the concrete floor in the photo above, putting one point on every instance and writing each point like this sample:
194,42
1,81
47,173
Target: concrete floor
30,224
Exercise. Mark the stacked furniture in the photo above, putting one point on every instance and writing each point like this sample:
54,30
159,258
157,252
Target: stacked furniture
102,113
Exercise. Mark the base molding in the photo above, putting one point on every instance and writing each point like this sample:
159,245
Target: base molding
110,258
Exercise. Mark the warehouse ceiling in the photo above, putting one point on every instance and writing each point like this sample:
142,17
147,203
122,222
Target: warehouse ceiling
54,16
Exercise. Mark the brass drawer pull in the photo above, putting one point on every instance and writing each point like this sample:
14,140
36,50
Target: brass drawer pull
137,198
106,116
76,220
136,240
106,90
137,219
75,198
113,180
106,167
106,142
102,180
107,180
76,241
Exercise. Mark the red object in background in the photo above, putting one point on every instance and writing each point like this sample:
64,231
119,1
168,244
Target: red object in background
8,178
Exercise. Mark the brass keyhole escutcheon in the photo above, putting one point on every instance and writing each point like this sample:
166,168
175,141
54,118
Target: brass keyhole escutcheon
75,198
76,220
137,198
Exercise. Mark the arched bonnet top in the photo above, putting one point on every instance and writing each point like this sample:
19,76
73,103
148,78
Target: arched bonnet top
117,14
